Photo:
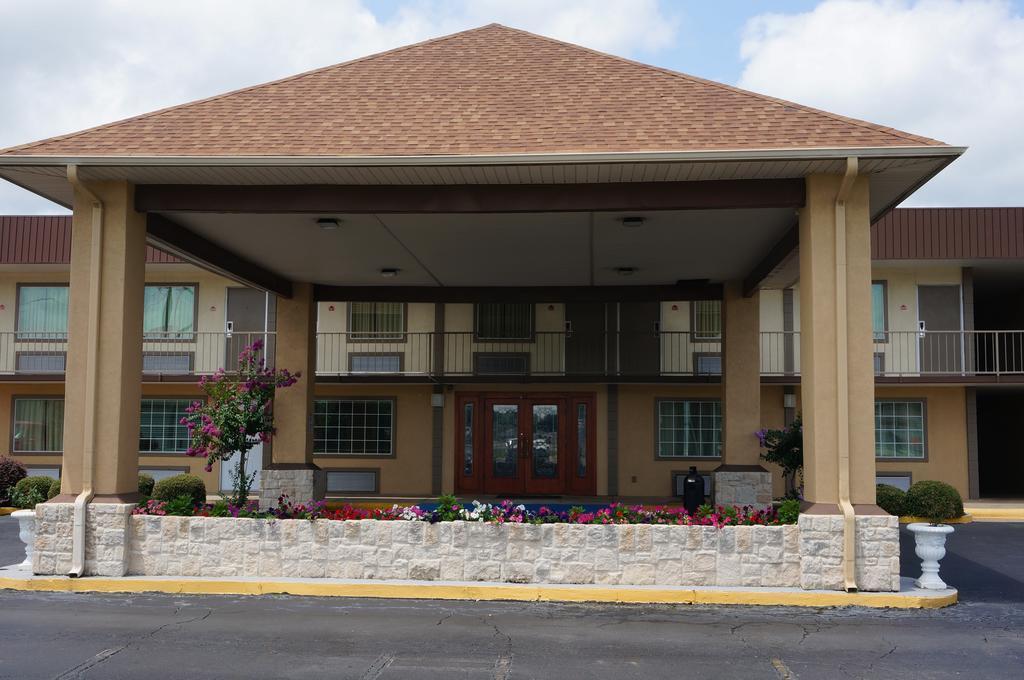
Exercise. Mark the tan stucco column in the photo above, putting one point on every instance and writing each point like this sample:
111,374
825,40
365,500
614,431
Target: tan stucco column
104,358
292,470
741,480
836,418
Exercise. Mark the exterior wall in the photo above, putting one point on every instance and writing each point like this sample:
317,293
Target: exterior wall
334,347
945,438
408,471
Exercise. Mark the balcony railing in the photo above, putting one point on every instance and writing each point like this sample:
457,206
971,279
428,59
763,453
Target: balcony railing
463,355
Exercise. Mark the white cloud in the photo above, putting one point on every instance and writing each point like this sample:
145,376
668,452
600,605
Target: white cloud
67,65
949,70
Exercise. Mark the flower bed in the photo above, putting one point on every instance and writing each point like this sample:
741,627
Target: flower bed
506,512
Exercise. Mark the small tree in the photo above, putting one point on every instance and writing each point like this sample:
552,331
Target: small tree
236,415
785,448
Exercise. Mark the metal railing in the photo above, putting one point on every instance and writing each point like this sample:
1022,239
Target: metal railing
430,355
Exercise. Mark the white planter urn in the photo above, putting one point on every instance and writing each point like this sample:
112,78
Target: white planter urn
930,546
27,533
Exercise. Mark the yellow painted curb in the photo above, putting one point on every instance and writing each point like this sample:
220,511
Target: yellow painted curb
910,519
512,592
1007,514
7,511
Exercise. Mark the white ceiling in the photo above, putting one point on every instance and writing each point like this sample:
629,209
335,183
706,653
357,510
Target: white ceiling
527,249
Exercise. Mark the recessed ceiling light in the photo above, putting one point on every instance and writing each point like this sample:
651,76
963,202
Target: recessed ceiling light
625,271
633,221
389,272
328,223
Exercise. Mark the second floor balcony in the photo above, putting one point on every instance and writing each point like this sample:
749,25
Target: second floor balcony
911,356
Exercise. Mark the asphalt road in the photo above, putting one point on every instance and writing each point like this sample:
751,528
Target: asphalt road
155,636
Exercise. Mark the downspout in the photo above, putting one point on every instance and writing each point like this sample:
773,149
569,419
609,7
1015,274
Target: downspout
843,381
93,343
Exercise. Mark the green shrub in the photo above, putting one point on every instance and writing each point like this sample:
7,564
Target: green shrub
171,488
146,484
30,491
789,511
182,506
936,501
54,489
891,499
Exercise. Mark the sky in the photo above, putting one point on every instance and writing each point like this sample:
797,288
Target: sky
952,70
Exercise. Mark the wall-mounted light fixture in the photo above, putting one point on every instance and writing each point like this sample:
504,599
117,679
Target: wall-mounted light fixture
625,271
633,221
389,272
789,400
328,223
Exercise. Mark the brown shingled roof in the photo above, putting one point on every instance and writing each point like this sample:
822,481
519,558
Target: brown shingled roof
490,90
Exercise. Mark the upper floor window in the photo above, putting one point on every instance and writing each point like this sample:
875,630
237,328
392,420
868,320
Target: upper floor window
899,428
376,320
169,311
42,311
707,319
879,321
38,425
504,321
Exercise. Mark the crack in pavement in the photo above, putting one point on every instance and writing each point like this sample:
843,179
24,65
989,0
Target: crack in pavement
502,664
379,665
79,670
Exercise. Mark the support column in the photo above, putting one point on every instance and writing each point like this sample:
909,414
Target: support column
741,480
840,550
103,388
292,470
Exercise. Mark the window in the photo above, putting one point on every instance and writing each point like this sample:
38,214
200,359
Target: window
707,319
467,438
375,363
376,320
42,312
51,471
879,322
169,312
581,440
159,474
504,321
899,428
356,427
689,428
38,425
161,430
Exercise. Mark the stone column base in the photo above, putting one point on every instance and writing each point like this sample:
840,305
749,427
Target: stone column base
743,485
877,546
299,484
106,539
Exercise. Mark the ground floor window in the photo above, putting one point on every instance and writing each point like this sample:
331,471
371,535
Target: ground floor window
689,428
899,428
38,425
160,428
357,427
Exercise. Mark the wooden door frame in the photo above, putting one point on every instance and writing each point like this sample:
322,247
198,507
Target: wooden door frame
573,484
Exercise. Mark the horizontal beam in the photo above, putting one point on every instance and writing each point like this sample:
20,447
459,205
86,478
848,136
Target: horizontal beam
684,290
191,247
476,198
776,256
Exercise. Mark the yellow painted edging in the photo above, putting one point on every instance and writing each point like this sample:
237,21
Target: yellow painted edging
1012,514
519,593
7,511
966,519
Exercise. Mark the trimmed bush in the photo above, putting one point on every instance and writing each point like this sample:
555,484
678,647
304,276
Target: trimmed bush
936,501
30,491
54,489
891,499
181,485
146,484
11,472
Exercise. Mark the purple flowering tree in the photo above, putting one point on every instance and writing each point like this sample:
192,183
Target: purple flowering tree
236,415
785,448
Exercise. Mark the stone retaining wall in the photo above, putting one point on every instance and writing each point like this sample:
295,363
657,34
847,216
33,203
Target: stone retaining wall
803,555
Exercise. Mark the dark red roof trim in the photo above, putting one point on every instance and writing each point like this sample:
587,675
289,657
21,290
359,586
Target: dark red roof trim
46,239
949,234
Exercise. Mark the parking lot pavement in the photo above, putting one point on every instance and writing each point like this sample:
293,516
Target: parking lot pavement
12,550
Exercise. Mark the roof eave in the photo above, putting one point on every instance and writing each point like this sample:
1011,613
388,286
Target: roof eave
823,153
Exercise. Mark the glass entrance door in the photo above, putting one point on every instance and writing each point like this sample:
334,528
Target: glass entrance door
524,440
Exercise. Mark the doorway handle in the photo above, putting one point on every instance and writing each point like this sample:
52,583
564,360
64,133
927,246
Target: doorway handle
523,446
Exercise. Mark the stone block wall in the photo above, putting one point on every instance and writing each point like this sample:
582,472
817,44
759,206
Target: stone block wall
106,535
300,485
877,542
743,487
466,551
